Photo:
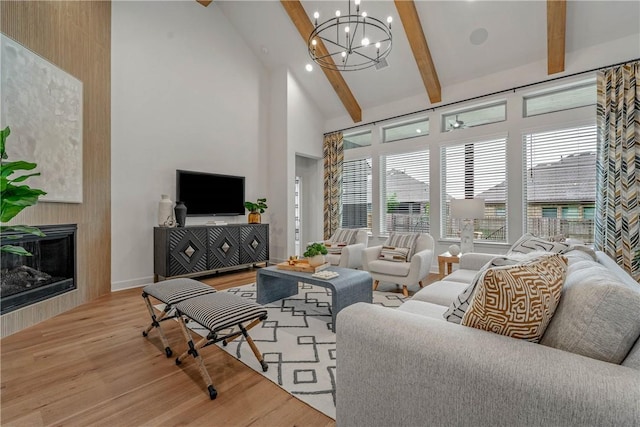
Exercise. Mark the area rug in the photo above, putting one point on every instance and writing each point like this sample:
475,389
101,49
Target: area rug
297,343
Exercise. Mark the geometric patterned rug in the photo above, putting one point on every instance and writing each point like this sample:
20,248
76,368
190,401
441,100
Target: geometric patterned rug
297,343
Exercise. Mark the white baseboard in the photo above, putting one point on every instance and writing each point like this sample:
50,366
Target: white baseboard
132,283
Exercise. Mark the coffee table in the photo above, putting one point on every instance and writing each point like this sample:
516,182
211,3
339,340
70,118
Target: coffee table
350,287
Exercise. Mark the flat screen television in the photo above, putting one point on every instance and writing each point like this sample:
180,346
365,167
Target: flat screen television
209,194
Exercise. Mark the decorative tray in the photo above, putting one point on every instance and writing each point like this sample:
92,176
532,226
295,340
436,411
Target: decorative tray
301,265
326,275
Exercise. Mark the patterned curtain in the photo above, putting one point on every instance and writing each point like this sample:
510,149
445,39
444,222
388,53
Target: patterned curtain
333,158
618,166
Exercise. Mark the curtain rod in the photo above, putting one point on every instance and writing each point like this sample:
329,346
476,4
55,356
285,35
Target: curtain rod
484,96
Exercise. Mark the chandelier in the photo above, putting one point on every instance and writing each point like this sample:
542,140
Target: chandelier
353,42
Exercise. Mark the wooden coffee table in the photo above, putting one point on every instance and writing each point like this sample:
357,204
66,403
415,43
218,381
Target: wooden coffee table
349,287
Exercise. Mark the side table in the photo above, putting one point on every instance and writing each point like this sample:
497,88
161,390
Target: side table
446,259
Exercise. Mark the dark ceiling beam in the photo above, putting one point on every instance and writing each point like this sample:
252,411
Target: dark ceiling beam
304,25
418,42
205,3
556,35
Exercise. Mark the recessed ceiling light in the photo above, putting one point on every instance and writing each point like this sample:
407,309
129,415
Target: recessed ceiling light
309,67
418,130
479,36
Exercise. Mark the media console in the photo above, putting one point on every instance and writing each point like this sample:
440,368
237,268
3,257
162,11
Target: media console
203,249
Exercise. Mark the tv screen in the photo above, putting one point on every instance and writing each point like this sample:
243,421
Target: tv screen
206,194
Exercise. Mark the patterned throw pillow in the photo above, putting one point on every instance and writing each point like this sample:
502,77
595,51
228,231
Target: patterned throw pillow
390,253
346,235
518,301
335,248
529,243
459,306
403,240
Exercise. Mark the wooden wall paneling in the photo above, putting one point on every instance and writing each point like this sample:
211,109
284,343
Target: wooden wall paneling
76,36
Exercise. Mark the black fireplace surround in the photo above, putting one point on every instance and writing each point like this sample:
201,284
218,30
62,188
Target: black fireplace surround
51,271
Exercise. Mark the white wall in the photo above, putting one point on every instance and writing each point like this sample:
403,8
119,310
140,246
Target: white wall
187,93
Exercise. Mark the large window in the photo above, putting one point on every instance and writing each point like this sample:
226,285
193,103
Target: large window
476,116
560,99
476,170
560,168
356,194
356,140
405,192
401,131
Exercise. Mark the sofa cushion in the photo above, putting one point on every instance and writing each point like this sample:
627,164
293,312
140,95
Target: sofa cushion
400,269
461,303
529,243
462,275
423,309
345,235
442,293
402,240
394,254
519,300
633,357
335,247
598,316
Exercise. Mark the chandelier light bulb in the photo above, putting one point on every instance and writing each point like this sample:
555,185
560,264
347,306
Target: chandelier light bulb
316,15
357,2
365,42
338,13
344,54
309,67
377,45
346,29
314,42
364,14
389,20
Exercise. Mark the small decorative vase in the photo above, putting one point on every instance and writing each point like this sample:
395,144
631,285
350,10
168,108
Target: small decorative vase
254,218
316,260
181,214
454,250
165,211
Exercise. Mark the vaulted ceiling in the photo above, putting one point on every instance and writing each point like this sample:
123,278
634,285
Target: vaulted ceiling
436,44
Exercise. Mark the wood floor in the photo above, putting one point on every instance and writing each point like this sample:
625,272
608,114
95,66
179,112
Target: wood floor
91,366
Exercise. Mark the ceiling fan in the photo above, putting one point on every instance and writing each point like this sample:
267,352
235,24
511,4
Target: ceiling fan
458,124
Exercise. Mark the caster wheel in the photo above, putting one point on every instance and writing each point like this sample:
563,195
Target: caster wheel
168,352
212,392
265,367
178,362
224,343
144,334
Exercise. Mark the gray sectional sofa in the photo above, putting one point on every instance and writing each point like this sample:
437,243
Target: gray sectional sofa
410,367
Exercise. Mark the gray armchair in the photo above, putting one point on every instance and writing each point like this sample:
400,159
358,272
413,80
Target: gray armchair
403,273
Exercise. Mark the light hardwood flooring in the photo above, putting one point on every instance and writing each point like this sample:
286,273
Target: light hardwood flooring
91,366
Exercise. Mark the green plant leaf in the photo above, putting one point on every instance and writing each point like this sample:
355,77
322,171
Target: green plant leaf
24,177
10,167
17,250
26,229
4,133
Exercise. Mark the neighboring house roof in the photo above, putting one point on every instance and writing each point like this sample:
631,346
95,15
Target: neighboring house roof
571,179
405,187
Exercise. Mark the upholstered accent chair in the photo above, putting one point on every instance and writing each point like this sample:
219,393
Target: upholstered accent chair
385,263
345,247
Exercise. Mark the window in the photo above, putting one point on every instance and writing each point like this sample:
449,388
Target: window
356,140
356,194
560,168
476,170
562,99
405,192
406,130
475,117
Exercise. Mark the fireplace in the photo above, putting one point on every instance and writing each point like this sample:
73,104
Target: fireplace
51,271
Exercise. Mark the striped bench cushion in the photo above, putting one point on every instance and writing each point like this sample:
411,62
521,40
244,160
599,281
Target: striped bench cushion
220,310
173,291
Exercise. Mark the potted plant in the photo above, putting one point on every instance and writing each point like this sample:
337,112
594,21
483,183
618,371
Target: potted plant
15,197
255,209
315,254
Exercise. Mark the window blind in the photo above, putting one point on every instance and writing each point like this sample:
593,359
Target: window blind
476,170
405,192
356,194
560,168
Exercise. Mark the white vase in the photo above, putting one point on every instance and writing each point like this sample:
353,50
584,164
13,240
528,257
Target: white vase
316,260
165,212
